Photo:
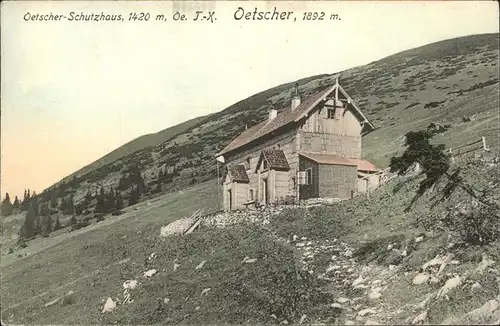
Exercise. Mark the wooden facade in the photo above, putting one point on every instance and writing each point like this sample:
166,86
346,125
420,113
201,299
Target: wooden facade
310,149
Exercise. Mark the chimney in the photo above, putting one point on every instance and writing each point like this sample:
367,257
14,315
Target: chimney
272,114
295,97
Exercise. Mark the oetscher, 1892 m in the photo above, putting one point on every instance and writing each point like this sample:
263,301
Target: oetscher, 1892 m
274,14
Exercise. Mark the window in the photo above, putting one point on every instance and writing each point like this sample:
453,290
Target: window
309,176
331,114
247,163
264,164
251,195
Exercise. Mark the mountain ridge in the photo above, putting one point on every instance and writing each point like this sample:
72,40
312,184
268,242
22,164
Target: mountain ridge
396,93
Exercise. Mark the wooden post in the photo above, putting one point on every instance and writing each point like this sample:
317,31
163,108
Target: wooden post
484,144
218,183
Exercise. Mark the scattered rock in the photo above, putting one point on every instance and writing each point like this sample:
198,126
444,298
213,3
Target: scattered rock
349,322
109,305
374,295
336,305
166,300
150,273
366,312
249,260
302,319
332,268
476,286
420,278
419,239
177,227
200,265
372,322
438,260
342,300
130,284
358,281
484,264
51,303
450,284
205,291
176,266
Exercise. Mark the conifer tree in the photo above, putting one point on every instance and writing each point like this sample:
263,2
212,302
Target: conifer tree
16,203
101,202
48,224
134,196
29,222
7,208
58,224
118,201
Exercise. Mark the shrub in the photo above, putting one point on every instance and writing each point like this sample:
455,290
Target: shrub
80,225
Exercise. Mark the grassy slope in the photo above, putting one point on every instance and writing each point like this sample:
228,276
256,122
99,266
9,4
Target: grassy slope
97,260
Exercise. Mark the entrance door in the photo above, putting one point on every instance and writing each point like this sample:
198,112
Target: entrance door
265,189
230,199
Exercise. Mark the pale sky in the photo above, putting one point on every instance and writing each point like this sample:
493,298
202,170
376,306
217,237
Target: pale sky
72,91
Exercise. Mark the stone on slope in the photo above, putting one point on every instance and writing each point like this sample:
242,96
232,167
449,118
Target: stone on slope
178,227
130,284
200,265
53,302
150,273
109,305
420,278
358,281
374,295
449,285
342,300
484,264
366,312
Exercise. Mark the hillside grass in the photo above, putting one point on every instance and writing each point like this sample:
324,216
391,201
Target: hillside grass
95,263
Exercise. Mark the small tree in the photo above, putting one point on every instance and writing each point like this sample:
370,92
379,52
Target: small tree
435,166
118,201
48,225
7,208
58,224
477,222
16,204
73,220
134,196
29,226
